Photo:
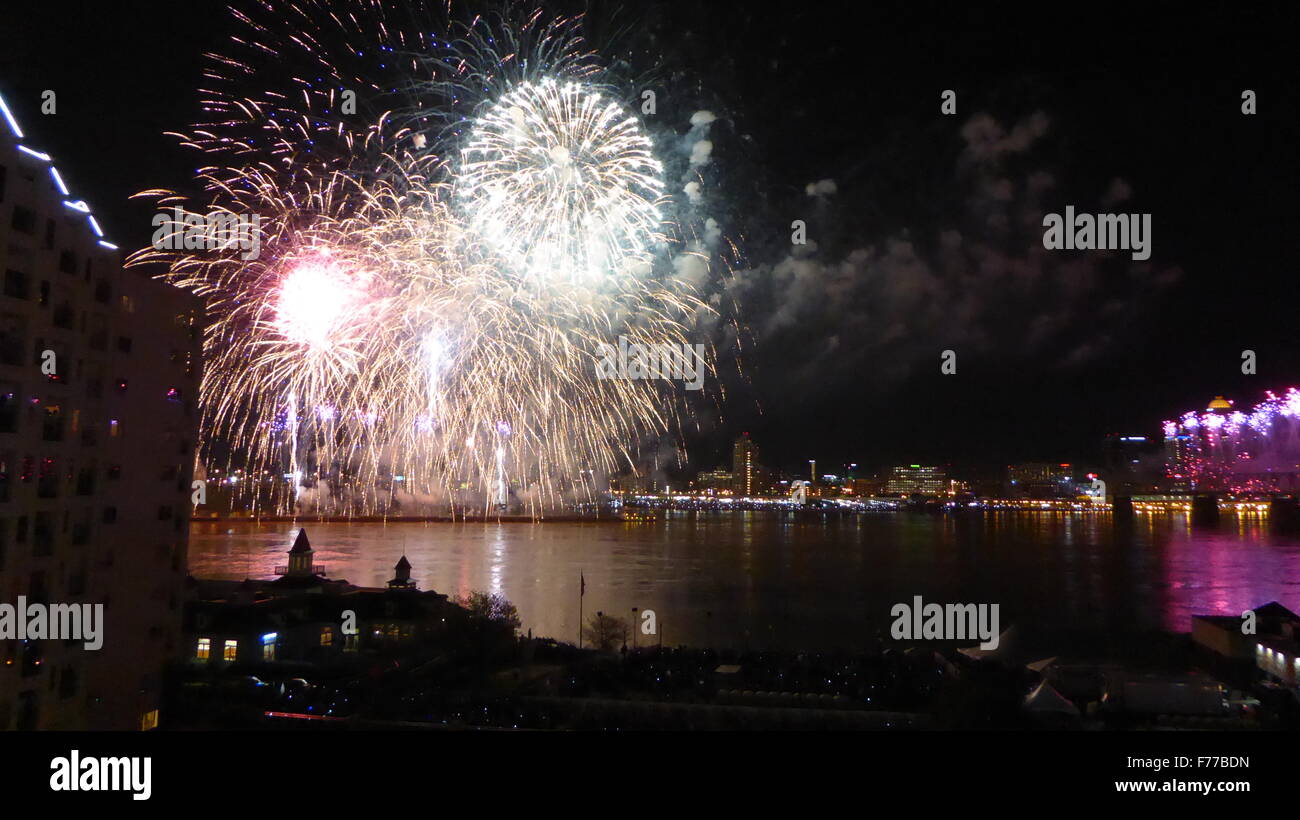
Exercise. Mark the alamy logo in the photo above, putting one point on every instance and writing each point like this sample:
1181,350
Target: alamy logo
102,774
52,622
219,230
652,361
1086,232
945,622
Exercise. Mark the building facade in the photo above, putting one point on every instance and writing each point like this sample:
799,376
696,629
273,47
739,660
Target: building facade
99,377
913,479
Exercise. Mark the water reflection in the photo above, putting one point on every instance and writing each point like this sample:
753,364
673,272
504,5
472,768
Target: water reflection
774,580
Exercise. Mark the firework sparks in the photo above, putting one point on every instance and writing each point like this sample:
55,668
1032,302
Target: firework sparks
405,307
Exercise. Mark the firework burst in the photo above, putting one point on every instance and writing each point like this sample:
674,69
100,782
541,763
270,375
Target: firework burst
437,272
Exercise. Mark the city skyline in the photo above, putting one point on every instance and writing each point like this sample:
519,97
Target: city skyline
1150,360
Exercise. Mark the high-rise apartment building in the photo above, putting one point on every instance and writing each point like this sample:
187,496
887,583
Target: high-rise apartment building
99,377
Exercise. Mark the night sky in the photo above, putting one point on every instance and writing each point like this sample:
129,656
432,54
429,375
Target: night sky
932,237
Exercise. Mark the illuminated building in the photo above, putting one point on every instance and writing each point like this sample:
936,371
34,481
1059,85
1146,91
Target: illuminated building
295,618
99,372
1036,479
744,466
915,478
715,482
868,486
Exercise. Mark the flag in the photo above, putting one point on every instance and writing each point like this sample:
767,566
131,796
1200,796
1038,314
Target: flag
582,585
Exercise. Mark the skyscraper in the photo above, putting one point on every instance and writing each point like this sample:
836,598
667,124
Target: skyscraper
744,466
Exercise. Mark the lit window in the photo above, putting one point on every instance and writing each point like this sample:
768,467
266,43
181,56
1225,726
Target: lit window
149,720
326,636
231,650
204,649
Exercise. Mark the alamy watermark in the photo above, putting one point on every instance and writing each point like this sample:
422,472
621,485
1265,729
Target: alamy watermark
1086,232
945,622
75,773
652,361
52,622
219,230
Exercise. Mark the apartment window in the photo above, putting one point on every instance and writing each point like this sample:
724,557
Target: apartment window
81,529
24,220
124,344
52,424
32,659
49,234
68,682
326,636
17,285
43,535
8,408
110,515
230,651
98,333
64,316
86,481
13,335
204,649
68,262
47,484
149,720
268,647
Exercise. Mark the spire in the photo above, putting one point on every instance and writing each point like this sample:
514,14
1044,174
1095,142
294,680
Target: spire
300,558
402,577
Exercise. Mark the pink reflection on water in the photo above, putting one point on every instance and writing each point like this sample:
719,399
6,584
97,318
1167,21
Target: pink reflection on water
1227,571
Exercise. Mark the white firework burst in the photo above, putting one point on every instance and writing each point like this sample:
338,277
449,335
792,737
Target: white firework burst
562,182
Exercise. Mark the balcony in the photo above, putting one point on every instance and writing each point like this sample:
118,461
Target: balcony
316,569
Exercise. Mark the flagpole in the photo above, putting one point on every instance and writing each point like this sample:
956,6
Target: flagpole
582,591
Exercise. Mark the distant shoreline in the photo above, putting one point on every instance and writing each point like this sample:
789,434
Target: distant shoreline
407,519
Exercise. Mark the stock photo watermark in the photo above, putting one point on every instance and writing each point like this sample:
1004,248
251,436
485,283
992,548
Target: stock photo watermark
25,621
219,230
670,362
945,622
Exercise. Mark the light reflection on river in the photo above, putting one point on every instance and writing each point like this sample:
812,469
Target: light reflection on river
770,580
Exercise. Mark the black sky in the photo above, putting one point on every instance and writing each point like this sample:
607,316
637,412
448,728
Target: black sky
1146,93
